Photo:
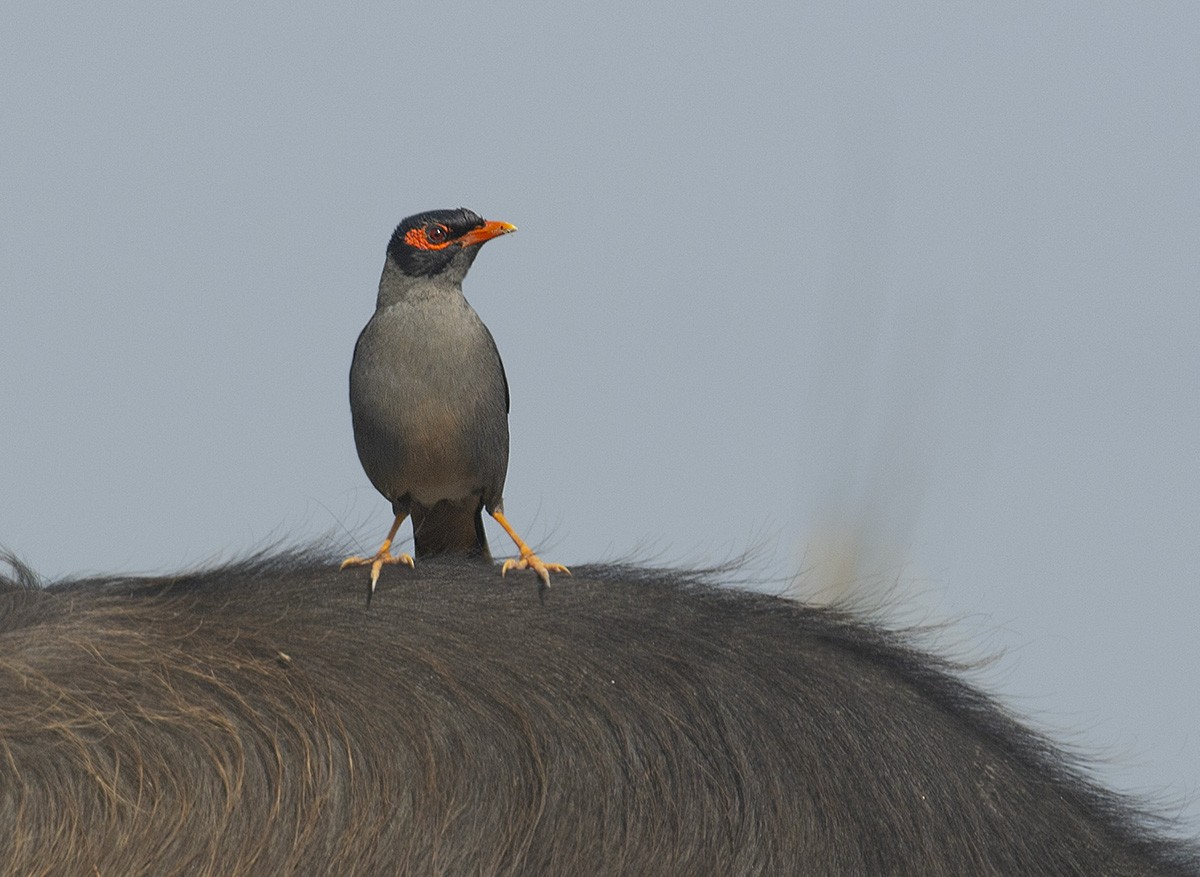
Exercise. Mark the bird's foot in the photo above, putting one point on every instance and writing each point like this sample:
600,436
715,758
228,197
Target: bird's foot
377,563
529,560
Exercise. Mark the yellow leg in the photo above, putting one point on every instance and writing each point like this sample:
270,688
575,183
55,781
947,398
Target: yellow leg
528,560
381,557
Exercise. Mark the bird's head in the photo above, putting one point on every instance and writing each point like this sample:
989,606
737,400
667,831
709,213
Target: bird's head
427,244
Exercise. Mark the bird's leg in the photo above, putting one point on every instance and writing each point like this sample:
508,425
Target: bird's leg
528,560
382,556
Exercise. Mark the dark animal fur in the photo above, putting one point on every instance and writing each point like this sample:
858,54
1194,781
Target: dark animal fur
258,719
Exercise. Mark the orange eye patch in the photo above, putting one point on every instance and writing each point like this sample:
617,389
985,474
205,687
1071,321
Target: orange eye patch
428,237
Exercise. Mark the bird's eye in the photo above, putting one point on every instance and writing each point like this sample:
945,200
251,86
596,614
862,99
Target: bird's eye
435,234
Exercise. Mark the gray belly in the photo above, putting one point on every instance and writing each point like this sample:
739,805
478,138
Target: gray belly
427,397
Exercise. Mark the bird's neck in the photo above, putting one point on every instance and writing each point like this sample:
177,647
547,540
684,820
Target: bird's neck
395,286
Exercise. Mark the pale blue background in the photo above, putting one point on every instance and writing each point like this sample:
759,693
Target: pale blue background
924,283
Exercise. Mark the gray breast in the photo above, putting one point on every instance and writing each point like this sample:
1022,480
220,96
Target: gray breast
429,402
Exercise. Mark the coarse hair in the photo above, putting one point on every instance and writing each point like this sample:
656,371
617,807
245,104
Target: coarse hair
258,718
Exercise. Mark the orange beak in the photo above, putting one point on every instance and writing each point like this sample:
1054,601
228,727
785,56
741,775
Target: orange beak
486,232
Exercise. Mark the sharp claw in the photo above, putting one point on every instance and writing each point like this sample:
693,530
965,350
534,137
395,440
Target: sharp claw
377,563
533,562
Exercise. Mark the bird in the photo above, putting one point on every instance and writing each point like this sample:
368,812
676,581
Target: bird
429,399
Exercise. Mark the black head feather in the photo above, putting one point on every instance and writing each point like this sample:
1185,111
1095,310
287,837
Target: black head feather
424,244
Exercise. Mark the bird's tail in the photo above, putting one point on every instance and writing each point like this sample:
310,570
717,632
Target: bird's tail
450,528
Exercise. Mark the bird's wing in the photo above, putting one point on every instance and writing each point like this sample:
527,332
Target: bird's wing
499,362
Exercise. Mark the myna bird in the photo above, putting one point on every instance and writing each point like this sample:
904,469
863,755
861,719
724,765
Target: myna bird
429,398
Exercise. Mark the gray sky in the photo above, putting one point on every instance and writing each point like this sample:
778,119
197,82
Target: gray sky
927,281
